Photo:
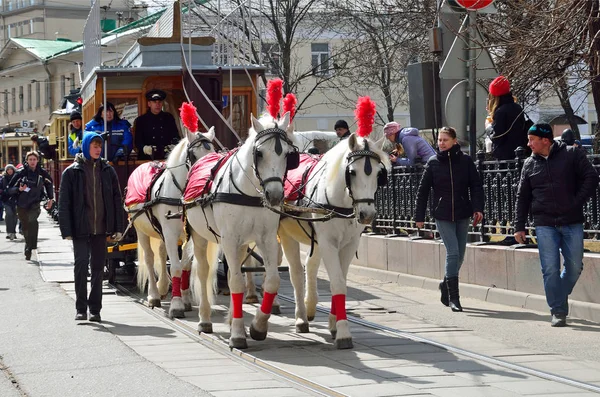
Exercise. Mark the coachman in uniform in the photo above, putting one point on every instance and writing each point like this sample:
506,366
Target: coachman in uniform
156,130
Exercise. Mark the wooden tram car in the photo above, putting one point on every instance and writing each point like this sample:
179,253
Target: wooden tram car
154,63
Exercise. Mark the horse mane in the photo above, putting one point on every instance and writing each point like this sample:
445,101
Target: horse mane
336,155
177,151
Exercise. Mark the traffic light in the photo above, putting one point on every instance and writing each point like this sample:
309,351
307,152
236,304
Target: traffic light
72,101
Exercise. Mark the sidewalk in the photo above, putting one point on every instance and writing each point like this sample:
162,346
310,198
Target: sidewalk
134,353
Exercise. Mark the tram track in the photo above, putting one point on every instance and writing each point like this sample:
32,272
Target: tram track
219,345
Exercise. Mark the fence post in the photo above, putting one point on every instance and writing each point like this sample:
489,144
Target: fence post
520,155
480,169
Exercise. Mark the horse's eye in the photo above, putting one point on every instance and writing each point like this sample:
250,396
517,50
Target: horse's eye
206,145
259,154
352,172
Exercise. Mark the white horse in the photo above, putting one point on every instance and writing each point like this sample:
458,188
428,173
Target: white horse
235,216
159,235
344,181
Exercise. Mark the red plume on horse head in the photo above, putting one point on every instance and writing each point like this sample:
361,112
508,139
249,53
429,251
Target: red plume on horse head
364,114
289,105
274,95
188,115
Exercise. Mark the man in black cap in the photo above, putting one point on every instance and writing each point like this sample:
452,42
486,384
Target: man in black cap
156,130
74,138
556,182
341,129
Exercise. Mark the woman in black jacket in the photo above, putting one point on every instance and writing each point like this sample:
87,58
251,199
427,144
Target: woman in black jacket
507,130
457,195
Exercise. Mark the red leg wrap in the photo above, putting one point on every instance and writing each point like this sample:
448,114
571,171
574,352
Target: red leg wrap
267,303
176,287
236,301
185,279
340,306
332,311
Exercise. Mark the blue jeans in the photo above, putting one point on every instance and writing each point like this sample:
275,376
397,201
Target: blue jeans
559,284
454,236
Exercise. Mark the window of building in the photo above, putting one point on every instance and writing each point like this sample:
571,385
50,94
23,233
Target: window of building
47,92
21,99
63,83
320,58
13,92
38,94
28,96
272,58
5,102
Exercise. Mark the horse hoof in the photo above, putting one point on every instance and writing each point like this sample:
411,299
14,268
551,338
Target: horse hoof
252,299
154,302
333,334
238,343
275,310
257,335
205,328
177,313
311,318
302,328
188,307
345,343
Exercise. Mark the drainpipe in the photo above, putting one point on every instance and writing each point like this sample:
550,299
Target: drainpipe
48,87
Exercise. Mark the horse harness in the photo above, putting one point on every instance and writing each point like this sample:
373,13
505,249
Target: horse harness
147,205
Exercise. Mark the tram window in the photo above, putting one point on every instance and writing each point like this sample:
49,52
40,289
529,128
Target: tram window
127,108
13,155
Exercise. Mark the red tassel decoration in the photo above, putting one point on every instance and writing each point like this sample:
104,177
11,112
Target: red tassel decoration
188,115
274,95
289,105
364,114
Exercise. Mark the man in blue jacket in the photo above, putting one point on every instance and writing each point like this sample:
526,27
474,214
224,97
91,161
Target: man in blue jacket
117,134
89,210
556,182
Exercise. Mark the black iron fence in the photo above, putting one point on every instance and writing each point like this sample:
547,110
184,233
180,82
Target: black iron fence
396,202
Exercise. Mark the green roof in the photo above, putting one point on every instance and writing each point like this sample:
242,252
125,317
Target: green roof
45,49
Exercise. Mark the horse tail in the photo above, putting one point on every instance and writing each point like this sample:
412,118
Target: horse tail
142,270
212,256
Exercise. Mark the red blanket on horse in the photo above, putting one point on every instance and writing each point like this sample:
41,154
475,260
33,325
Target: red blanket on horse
202,174
141,180
295,182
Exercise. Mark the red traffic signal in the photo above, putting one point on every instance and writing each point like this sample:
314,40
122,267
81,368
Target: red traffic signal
474,4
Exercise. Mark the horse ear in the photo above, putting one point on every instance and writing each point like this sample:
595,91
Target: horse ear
256,124
189,134
285,121
210,134
353,142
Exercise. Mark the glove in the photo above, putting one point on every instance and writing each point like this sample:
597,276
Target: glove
148,150
76,143
68,238
117,236
168,148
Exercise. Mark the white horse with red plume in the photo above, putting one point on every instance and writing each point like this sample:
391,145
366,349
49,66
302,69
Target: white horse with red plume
228,207
341,186
154,193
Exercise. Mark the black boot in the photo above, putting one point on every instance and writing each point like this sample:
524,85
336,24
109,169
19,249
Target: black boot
454,296
444,290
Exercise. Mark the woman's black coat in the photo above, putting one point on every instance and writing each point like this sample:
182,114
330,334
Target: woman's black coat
457,188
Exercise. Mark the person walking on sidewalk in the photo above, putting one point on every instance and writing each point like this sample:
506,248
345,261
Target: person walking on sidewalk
10,203
89,209
28,186
458,194
556,181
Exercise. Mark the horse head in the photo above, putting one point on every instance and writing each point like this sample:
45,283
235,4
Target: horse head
366,169
273,154
199,144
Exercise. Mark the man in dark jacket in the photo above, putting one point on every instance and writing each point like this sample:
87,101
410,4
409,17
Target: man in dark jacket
28,186
341,129
156,130
556,181
89,209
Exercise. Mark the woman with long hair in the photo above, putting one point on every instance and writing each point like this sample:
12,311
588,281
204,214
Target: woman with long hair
457,195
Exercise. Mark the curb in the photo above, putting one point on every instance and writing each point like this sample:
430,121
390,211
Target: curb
582,310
